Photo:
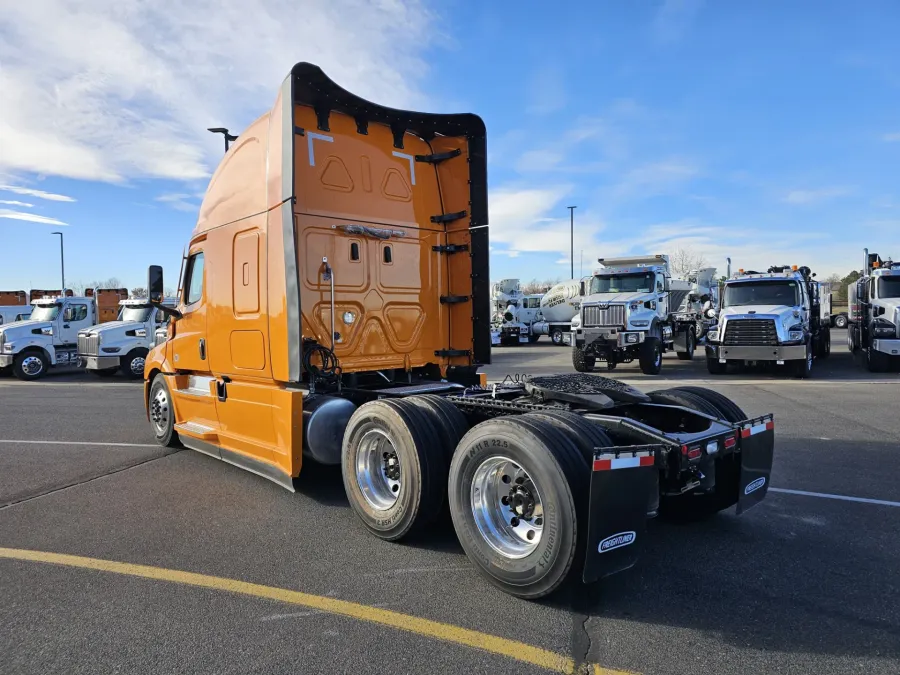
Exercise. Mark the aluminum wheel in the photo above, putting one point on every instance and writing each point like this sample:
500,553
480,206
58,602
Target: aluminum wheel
159,411
378,471
137,366
32,366
507,508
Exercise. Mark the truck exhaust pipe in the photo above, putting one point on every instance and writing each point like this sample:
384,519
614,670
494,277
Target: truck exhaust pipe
728,268
866,262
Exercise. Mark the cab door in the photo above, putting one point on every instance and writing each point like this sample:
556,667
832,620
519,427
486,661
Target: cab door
74,317
189,346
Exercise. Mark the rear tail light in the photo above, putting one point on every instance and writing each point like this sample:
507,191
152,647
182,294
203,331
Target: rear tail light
730,442
694,453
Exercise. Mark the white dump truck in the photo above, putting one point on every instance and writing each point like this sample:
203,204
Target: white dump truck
634,309
122,345
875,313
780,316
49,337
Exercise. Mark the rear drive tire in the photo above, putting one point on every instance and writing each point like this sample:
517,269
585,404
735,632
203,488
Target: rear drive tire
530,463
394,471
691,346
452,425
30,365
840,321
728,409
716,368
162,413
583,362
132,364
650,357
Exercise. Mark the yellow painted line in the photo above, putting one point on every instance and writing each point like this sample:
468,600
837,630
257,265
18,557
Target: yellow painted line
512,649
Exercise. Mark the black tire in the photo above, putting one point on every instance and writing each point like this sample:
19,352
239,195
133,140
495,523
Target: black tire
823,346
852,339
803,367
587,435
104,372
556,336
162,413
650,357
533,338
136,357
728,409
691,346
452,423
583,362
684,399
877,362
716,368
415,441
6,371
30,365
557,466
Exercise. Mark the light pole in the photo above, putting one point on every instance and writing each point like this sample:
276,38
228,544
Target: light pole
62,262
572,238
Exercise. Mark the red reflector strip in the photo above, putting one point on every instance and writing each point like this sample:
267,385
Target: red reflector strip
757,428
770,425
730,442
694,453
623,463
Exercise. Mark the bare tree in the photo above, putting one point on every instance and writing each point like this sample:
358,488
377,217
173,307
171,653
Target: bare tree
139,292
535,286
683,261
79,287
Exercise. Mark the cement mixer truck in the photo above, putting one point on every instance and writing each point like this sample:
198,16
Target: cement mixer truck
558,307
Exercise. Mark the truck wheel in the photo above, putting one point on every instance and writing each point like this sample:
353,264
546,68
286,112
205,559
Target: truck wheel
685,399
30,365
162,413
583,362
824,344
650,357
803,367
452,425
691,345
728,409
852,339
395,474
533,338
840,321
716,368
557,336
518,490
877,362
132,364
105,372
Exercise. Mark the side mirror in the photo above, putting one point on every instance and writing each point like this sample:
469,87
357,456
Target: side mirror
581,288
155,286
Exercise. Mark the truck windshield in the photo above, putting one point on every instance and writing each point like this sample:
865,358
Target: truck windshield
44,312
762,293
140,314
622,283
889,287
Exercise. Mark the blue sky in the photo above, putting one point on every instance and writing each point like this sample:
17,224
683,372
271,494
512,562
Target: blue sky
767,131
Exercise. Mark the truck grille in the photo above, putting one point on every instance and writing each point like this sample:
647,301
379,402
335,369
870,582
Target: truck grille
614,315
88,344
751,332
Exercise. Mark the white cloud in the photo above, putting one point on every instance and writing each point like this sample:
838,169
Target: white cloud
31,217
815,196
13,202
893,137
654,178
179,202
674,18
109,90
31,192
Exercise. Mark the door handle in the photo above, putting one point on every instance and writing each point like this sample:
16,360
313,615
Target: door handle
65,325
202,349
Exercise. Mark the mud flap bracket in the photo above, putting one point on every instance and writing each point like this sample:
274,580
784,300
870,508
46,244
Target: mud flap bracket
622,485
757,446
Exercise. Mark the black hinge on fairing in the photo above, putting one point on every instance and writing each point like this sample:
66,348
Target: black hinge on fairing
452,352
448,217
451,248
453,299
438,157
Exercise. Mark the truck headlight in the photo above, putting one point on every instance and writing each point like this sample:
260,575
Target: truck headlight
795,333
713,335
633,306
640,323
631,337
883,328
9,347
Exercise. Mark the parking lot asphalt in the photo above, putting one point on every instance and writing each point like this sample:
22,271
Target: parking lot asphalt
800,584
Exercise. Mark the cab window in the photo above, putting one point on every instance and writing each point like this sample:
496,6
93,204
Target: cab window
194,279
75,313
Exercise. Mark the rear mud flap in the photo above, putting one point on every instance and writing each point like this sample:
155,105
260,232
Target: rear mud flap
623,482
757,446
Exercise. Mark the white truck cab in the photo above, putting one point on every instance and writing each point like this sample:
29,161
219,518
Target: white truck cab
122,345
48,338
778,316
875,314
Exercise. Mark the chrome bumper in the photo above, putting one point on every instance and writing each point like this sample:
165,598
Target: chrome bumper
99,362
6,360
739,353
891,347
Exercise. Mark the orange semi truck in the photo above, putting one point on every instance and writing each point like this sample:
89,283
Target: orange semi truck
334,307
